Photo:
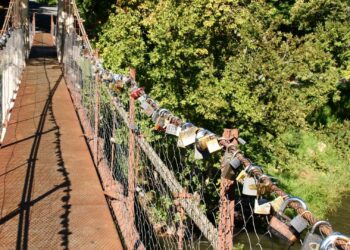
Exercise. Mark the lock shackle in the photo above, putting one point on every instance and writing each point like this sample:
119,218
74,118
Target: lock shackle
319,223
261,177
201,133
252,167
329,240
163,112
292,199
186,125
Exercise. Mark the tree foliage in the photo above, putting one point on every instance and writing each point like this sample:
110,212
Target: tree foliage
277,70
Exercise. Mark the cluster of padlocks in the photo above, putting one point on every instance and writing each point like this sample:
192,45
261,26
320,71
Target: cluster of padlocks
5,37
205,143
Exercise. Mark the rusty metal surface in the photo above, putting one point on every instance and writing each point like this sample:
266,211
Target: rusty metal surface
50,195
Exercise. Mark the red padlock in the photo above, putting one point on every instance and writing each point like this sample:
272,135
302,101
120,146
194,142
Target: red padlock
136,93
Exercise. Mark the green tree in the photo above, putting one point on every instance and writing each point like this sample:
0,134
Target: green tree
279,71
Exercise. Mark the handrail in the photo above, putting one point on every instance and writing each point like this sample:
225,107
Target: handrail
7,18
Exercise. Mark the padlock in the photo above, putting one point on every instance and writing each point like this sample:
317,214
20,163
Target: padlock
172,128
203,136
262,207
199,155
147,108
161,122
298,222
249,186
213,145
107,77
155,115
136,93
187,135
264,187
280,224
241,176
235,162
313,240
329,242
277,203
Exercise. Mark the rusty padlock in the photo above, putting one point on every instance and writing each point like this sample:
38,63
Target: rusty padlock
280,224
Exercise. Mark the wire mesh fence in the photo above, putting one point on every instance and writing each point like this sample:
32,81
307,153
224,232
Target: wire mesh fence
160,218
12,54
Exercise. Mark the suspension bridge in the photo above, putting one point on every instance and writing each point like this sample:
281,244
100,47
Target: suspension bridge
79,171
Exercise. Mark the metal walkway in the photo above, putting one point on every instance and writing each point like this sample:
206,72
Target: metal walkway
50,194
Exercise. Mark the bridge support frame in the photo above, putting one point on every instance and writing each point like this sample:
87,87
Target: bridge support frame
227,201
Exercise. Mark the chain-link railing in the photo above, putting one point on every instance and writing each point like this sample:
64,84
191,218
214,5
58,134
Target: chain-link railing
12,55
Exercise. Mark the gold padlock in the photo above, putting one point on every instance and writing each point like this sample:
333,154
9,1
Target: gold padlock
277,203
213,145
241,176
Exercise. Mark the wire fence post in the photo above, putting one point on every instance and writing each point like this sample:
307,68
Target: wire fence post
131,157
227,202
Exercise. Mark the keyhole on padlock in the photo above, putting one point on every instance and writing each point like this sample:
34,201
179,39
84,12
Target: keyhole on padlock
314,246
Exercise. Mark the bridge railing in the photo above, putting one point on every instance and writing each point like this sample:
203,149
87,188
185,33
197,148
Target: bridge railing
14,49
157,190
161,200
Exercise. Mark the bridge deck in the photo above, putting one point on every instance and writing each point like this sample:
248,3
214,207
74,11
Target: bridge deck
50,195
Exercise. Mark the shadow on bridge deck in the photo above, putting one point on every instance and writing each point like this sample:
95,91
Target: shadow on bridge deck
50,195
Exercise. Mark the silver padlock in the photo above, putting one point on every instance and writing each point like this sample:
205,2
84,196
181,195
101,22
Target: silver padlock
313,240
298,222
235,162
187,135
249,187
155,115
329,242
